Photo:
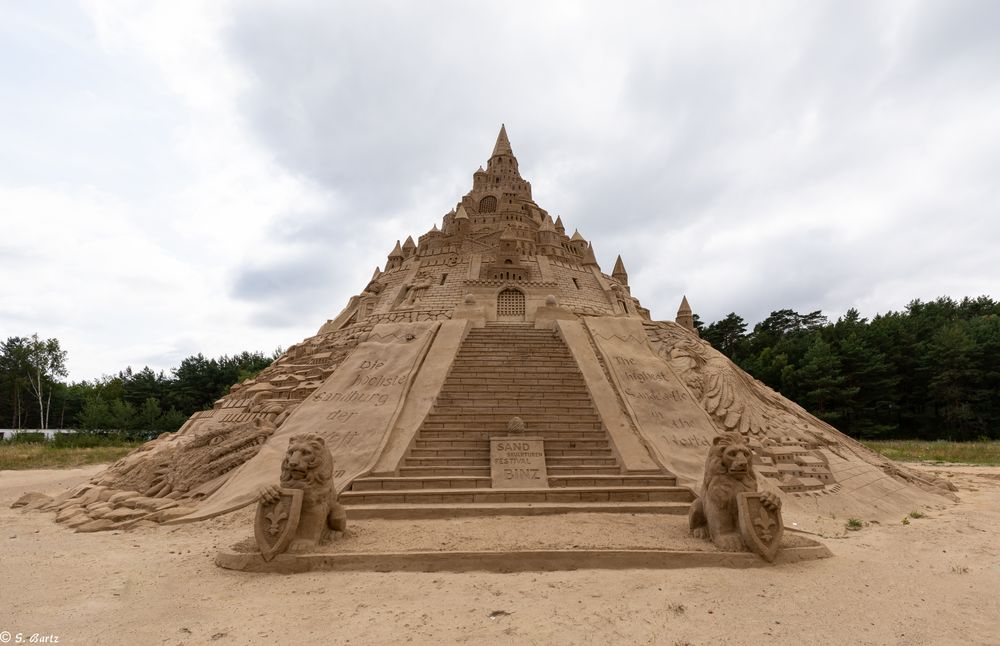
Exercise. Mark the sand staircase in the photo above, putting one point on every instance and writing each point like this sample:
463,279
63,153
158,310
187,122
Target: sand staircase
502,371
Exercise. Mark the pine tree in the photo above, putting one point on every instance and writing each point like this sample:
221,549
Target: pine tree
822,382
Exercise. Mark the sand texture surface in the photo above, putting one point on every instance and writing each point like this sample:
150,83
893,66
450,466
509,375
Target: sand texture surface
935,580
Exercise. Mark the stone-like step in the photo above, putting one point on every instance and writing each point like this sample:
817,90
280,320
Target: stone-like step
573,470
524,366
535,410
394,483
499,422
497,426
483,469
465,398
450,471
517,389
619,480
481,495
484,444
574,461
409,483
548,434
477,454
447,462
484,453
418,511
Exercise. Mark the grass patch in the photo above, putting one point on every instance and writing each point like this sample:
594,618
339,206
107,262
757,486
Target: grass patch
17,456
939,451
853,524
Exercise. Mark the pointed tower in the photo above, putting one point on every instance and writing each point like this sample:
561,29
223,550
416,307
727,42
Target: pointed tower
685,318
502,146
461,222
619,272
559,225
548,238
502,176
395,260
409,247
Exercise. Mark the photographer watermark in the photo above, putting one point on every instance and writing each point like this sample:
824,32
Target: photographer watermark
7,637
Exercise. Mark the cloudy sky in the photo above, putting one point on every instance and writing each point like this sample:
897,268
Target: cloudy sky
182,177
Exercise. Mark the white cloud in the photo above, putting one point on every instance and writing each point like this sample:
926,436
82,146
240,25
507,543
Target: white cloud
189,176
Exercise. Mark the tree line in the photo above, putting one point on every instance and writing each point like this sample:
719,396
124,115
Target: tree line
139,404
931,371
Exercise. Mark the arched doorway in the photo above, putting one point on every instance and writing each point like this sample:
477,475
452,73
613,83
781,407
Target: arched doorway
510,305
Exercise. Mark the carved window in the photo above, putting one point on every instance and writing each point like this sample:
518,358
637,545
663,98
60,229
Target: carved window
488,204
510,304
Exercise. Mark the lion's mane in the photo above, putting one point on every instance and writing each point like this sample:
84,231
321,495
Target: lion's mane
318,468
716,465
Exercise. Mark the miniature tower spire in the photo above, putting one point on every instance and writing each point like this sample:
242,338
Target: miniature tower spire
409,246
685,318
395,258
619,272
502,146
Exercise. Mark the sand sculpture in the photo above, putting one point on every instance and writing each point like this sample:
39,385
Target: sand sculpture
718,514
299,514
515,426
497,313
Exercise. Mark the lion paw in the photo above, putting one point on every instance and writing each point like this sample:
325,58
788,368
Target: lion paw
729,543
701,532
268,494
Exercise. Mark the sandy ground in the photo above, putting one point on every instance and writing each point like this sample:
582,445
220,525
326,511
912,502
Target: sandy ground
933,581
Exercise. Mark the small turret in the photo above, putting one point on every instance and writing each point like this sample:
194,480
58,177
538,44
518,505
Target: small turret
559,225
409,247
507,265
395,258
588,256
461,221
619,272
579,245
685,318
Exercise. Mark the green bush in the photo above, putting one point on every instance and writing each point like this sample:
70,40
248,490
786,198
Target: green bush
27,438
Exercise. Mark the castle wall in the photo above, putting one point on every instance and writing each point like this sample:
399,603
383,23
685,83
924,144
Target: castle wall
579,290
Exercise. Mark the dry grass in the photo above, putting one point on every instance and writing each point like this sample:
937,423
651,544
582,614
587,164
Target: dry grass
45,456
939,451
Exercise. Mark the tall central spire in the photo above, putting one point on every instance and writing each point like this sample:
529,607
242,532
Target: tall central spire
502,146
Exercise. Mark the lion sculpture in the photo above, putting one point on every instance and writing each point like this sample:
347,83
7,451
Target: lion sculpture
308,466
728,471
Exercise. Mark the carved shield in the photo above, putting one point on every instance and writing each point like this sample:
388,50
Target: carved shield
275,524
760,528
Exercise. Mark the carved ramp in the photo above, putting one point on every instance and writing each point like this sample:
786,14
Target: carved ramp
503,371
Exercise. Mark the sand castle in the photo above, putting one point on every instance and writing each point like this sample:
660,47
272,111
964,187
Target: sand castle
498,313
